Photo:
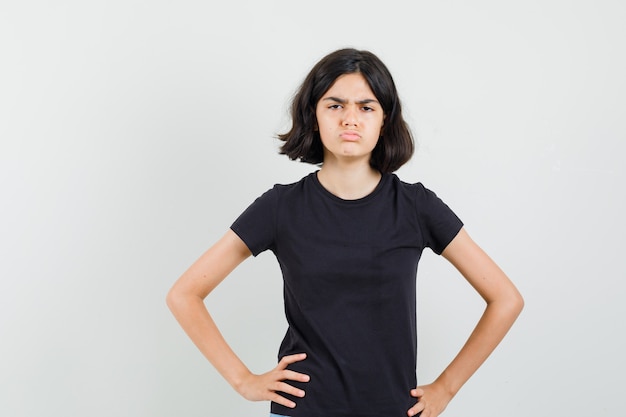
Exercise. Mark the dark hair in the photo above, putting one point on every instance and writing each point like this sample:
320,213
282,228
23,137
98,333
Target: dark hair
395,145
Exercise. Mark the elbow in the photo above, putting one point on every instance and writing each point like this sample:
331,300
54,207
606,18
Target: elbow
518,300
510,305
516,303
178,299
173,299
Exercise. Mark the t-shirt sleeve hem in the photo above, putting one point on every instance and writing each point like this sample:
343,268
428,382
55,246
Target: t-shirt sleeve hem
439,249
254,251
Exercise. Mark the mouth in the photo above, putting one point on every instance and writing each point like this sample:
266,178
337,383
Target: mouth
350,135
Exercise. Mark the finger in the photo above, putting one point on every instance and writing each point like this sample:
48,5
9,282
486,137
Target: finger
279,399
289,359
289,389
417,392
294,376
417,408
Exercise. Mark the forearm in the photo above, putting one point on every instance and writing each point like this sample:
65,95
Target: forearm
194,318
186,301
495,322
504,303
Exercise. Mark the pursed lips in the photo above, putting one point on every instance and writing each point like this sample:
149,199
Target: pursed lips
350,135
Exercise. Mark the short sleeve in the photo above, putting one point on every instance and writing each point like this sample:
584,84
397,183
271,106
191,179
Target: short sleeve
438,222
257,224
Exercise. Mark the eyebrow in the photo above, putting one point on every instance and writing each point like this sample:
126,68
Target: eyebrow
343,101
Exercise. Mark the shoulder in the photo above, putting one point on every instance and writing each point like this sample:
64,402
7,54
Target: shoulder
415,190
279,193
281,189
424,200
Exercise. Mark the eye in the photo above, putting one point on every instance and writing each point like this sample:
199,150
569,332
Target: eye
334,106
367,108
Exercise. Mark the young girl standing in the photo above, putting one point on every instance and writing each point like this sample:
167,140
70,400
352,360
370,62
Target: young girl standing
348,238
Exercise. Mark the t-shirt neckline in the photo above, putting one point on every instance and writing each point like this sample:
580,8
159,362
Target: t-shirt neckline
318,186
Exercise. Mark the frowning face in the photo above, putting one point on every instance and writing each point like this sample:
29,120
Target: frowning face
349,119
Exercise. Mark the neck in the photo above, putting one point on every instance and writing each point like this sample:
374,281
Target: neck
348,181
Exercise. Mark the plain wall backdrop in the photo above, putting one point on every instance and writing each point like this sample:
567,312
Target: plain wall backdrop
132,134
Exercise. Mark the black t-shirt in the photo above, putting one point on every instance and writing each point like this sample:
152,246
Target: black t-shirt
349,270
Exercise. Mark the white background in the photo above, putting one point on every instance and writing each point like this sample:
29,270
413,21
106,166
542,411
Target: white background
132,133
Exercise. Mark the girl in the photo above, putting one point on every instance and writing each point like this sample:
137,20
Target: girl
348,239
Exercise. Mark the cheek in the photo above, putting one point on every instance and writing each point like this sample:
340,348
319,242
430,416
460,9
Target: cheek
324,134
322,121
324,126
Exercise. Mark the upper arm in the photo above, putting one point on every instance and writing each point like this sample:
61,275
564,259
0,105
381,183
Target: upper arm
213,266
480,270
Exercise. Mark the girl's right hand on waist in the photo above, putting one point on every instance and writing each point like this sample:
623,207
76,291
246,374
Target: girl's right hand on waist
269,386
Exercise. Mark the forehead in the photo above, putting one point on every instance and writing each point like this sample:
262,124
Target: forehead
350,85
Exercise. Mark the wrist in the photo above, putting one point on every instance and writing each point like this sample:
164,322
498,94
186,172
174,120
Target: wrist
238,380
447,385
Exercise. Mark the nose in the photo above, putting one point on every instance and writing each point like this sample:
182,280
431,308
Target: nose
350,116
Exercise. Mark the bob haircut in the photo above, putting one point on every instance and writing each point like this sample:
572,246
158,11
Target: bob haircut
395,145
